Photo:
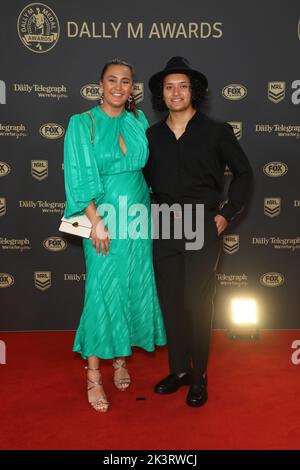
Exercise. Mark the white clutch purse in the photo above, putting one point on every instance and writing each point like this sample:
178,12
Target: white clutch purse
80,226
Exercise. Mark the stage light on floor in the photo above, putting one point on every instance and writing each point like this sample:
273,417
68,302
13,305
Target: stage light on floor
243,318
244,311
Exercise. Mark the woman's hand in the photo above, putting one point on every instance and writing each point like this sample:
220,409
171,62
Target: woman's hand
221,223
100,237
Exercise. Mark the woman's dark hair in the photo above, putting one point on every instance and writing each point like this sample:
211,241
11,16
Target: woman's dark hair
198,95
130,105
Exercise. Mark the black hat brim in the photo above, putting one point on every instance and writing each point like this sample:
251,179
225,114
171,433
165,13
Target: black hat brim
159,76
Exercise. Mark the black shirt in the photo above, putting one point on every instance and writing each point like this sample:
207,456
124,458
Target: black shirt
191,169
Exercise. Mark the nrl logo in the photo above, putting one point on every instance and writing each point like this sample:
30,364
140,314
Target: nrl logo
138,92
2,206
231,244
42,280
276,91
237,129
272,206
39,169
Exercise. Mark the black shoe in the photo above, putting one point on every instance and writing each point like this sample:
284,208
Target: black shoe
171,383
197,395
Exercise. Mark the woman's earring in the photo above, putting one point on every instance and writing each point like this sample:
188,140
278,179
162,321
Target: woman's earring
129,102
101,99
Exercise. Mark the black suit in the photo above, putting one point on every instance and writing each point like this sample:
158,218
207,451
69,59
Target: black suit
190,171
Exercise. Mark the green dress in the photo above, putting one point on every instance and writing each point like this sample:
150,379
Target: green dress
121,307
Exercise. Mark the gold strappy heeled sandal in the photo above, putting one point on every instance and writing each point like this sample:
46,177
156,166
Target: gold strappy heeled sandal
101,403
121,383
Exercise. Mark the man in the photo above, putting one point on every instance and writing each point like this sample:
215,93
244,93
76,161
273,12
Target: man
188,155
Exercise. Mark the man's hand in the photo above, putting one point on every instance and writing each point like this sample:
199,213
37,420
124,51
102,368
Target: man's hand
221,223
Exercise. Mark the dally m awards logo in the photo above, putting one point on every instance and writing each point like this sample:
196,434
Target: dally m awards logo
231,244
275,169
276,91
4,168
39,169
272,279
42,280
272,206
234,92
2,206
6,280
38,27
52,130
237,129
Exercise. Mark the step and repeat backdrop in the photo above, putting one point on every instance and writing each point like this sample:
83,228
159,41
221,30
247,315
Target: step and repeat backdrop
51,58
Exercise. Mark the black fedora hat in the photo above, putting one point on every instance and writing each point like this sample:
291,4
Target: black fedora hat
177,65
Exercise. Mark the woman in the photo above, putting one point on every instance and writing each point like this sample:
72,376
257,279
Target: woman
105,151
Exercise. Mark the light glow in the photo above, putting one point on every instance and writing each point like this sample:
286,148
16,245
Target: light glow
244,311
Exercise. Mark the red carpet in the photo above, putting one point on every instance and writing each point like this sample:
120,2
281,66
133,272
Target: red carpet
253,398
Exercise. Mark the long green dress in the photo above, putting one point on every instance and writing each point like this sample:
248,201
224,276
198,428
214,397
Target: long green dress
121,307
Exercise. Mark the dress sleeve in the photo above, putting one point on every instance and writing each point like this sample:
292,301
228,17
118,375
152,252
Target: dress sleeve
82,180
143,119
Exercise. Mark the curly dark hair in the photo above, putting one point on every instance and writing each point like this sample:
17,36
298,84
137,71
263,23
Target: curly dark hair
130,105
199,93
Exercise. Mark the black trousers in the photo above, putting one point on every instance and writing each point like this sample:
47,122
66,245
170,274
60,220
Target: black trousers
186,287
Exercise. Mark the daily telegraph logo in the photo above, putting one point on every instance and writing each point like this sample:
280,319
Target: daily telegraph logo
272,206
236,280
55,244
38,27
138,92
41,90
2,206
275,169
39,169
276,91
20,244
6,280
237,129
90,92
2,92
52,130
4,168
272,279
282,130
234,92
13,130
231,244
42,280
